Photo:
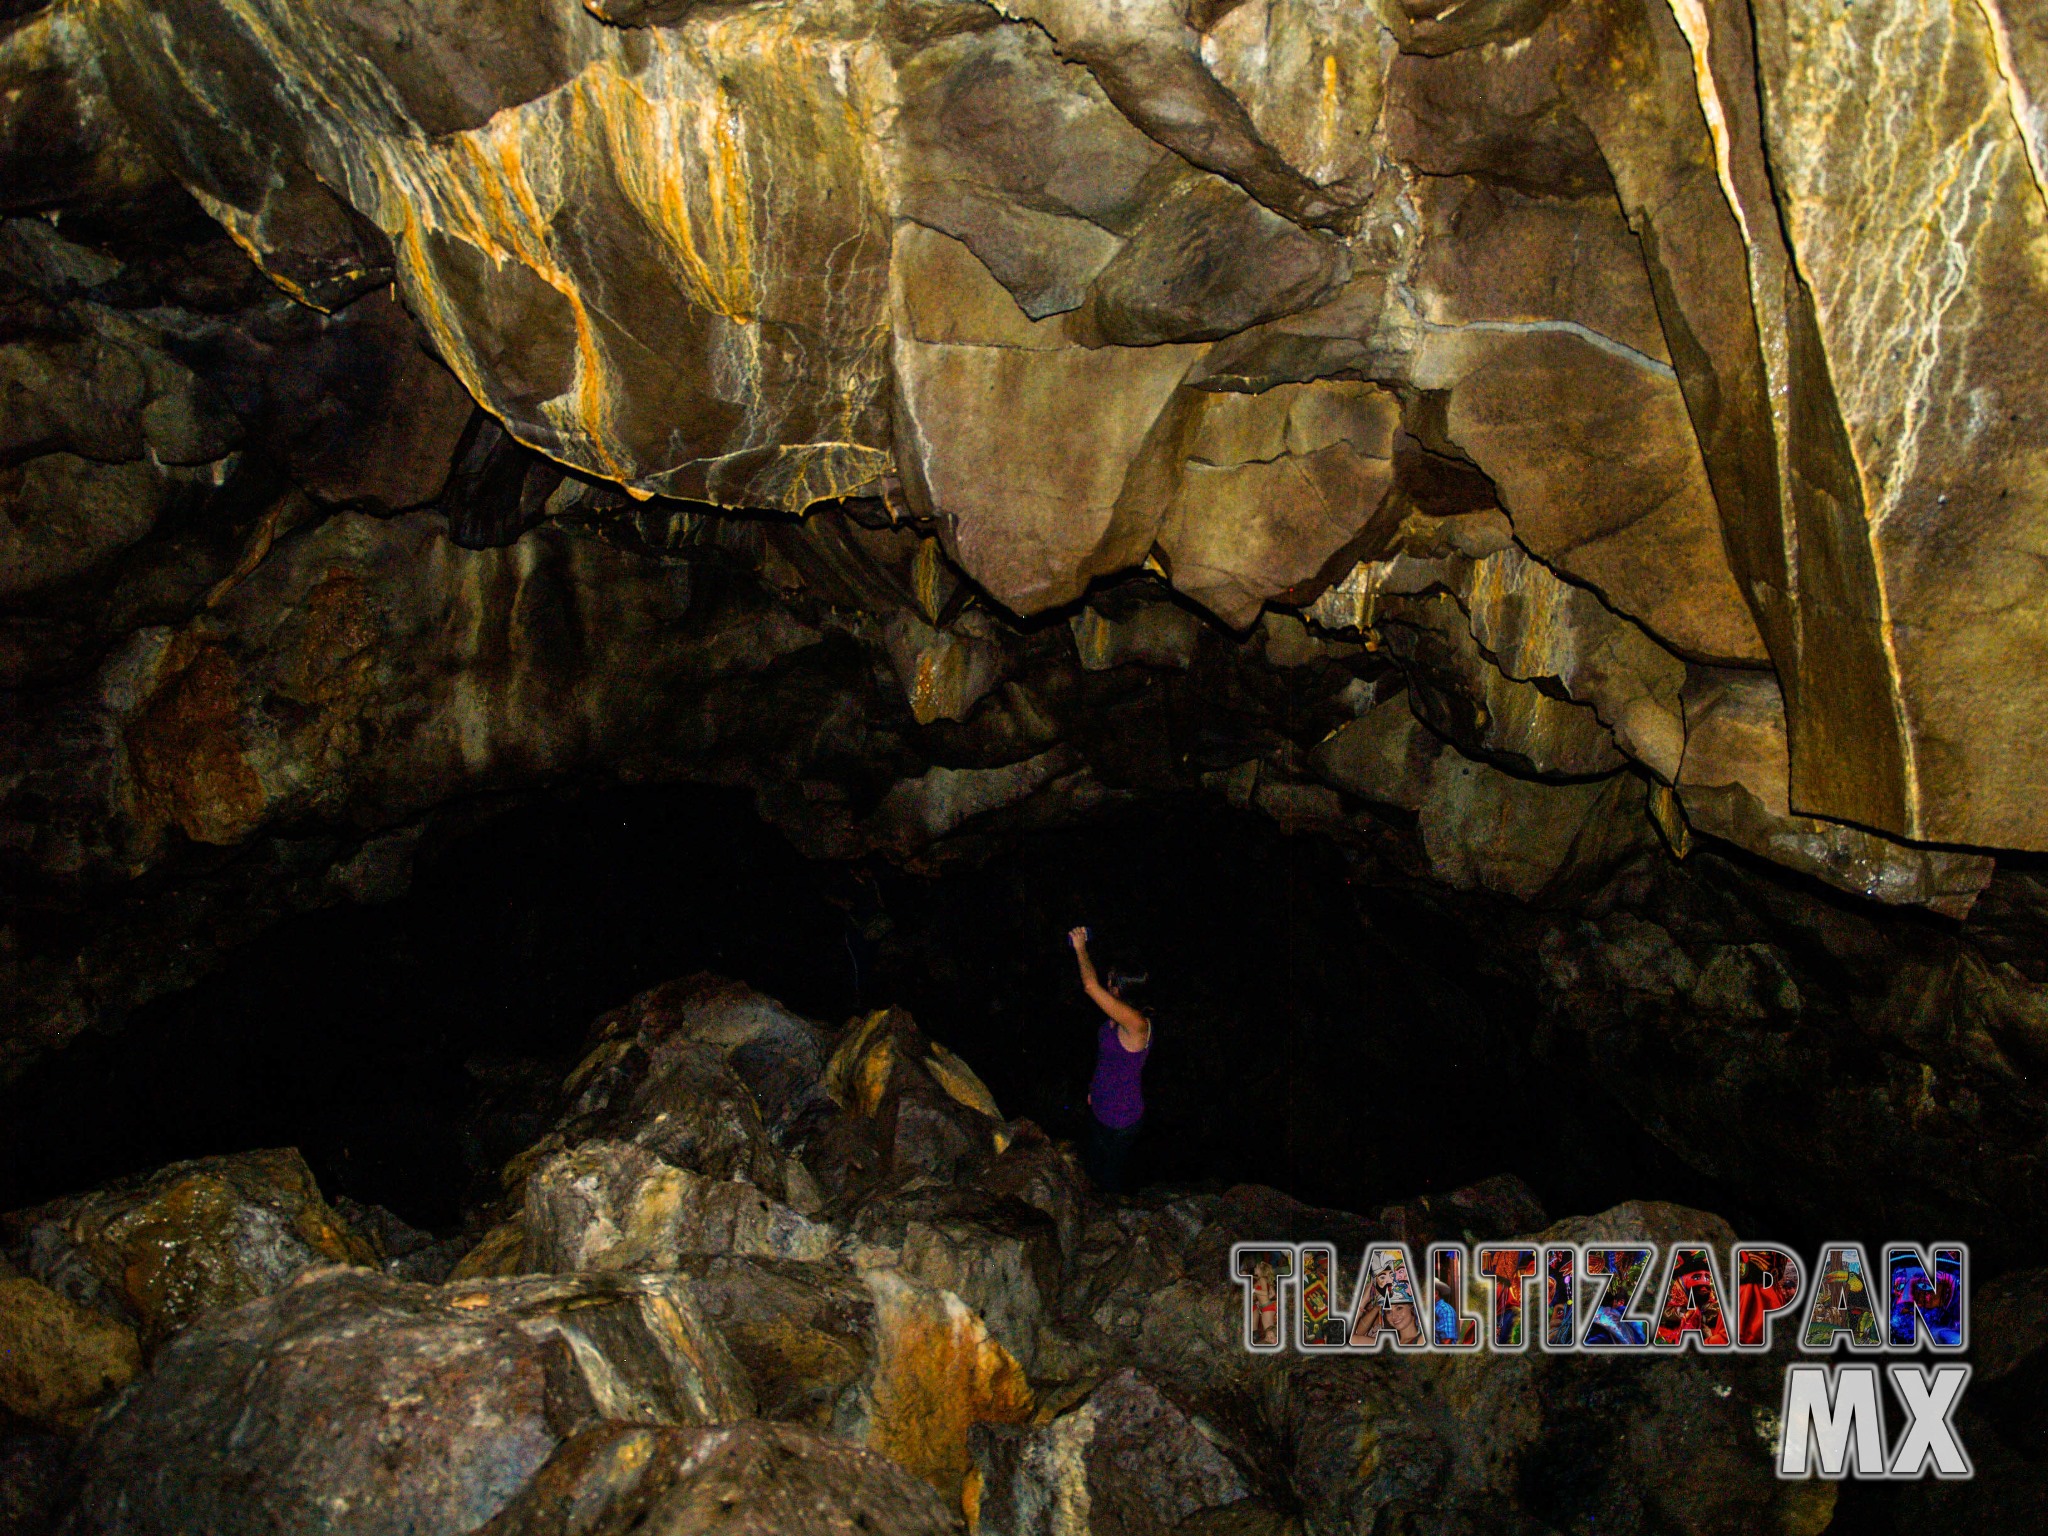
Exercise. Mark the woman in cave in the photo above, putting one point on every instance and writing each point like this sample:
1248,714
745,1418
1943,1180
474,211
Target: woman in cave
1116,1099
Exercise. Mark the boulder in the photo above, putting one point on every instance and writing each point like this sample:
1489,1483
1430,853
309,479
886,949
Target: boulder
922,1107
745,1479
937,1374
1127,1462
778,1054
1484,829
59,1359
676,1099
1385,755
613,1206
351,1402
405,1251
804,1333
189,1239
997,1254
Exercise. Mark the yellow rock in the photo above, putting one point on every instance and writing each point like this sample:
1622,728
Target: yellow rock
58,1359
198,1236
501,1251
959,1080
937,1374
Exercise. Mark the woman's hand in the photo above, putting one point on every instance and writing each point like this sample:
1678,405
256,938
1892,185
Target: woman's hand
1078,937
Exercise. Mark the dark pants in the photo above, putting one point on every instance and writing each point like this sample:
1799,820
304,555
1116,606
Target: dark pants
1108,1151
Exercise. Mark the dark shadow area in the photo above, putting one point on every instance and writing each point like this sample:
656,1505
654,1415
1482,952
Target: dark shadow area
398,1045
1315,1032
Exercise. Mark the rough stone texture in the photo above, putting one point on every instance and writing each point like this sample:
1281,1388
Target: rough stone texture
937,1374
1127,1462
57,1358
351,1402
607,1205
747,1479
35,1483
804,1333
189,1239
1108,284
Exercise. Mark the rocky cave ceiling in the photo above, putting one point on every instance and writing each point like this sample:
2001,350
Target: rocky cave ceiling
1550,420
1580,464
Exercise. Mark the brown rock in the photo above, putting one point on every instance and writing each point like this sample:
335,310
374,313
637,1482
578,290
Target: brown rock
189,1239
747,1479
499,1252
1129,1461
1386,755
1735,784
1455,687
1521,837
350,1402
57,1358
608,1205
937,1373
804,1333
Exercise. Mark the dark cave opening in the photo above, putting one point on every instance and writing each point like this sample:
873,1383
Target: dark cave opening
1316,1032
1323,1026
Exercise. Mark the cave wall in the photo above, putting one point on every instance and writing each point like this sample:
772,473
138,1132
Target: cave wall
1529,444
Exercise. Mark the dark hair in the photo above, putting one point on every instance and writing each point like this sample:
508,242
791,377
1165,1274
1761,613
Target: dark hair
1121,981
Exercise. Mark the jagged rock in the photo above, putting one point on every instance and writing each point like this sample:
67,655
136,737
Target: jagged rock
435,1404
1456,1443
608,1205
944,673
920,1108
747,1479
1385,755
404,1251
58,1359
187,1240
937,1374
1458,690
1735,784
998,1255
651,1087
1044,1175
1484,828
804,1333
777,1054
498,1253
1150,634
1127,1462
916,811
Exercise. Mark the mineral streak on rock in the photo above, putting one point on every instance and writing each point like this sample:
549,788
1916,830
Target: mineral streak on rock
1717,297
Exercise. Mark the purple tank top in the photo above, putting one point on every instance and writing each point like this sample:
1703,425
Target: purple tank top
1115,1093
